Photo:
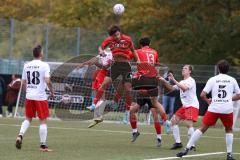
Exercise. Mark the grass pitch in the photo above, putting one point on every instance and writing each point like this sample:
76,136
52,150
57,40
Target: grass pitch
74,141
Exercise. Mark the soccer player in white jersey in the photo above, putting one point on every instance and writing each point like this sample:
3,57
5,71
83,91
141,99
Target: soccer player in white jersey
222,88
190,105
35,79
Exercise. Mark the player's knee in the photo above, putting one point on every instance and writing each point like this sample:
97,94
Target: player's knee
29,119
203,128
228,129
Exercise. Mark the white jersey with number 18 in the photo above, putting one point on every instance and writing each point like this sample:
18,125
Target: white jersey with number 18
222,87
34,73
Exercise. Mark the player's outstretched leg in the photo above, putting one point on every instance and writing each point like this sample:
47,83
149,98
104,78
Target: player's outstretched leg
133,122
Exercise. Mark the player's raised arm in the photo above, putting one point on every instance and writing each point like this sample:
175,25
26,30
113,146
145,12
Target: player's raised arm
169,87
100,50
183,87
135,55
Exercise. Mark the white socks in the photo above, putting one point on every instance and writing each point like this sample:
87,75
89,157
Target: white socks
176,133
43,133
190,132
229,142
24,127
135,130
159,136
195,137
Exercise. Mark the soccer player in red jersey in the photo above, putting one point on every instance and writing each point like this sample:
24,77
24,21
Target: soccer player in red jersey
222,88
121,46
35,78
102,62
145,80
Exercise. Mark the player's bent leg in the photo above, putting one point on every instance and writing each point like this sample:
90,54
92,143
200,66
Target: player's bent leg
25,125
194,138
163,114
106,82
157,126
133,121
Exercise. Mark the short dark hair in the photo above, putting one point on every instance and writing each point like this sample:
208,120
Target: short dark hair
37,51
17,76
113,29
223,66
145,41
170,71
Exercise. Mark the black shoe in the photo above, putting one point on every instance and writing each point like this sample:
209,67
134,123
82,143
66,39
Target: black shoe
176,146
183,153
230,157
44,148
19,142
159,141
193,148
134,136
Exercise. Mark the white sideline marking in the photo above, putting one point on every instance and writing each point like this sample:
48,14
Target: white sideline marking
100,130
236,153
195,155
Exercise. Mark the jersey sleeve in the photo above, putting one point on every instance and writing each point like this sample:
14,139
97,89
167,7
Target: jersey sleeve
189,83
236,87
208,86
106,42
47,71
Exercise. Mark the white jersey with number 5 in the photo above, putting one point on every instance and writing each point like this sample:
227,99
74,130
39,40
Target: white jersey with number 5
222,87
189,97
34,73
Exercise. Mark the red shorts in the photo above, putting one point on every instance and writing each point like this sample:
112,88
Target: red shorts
210,119
189,113
99,78
39,107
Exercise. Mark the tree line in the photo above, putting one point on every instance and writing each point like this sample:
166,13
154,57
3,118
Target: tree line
183,31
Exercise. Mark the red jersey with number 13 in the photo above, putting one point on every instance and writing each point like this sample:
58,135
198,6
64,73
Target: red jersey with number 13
148,57
120,47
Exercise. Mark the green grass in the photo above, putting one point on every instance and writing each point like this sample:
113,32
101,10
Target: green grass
74,141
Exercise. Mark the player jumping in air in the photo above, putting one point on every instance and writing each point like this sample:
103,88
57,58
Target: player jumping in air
103,62
222,87
122,49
